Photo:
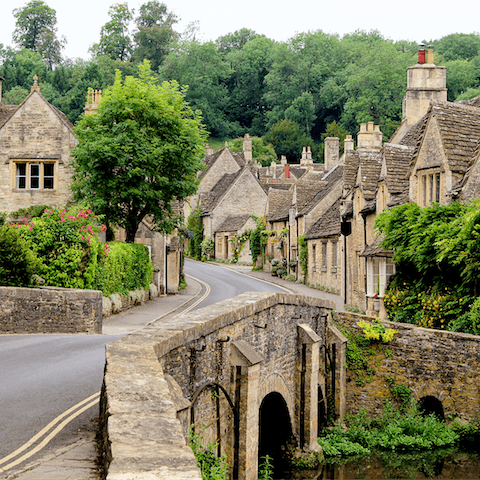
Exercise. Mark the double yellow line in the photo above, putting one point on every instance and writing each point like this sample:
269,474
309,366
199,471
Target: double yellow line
201,299
57,426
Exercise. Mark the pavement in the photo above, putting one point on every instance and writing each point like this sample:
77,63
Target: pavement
78,461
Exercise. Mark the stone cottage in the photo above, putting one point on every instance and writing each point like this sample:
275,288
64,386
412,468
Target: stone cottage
35,144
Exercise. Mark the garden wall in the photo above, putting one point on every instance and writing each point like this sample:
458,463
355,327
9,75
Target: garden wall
436,363
50,310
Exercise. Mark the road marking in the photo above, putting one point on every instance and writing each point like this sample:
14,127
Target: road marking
201,299
49,437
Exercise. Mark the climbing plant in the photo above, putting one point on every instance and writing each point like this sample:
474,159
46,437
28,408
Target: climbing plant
195,225
303,255
208,248
238,242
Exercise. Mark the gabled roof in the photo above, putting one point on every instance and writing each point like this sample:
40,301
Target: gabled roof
277,186
375,250
279,204
352,161
397,161
328,225
459,127
209,160
413,137
328,182
209,200
369,171
473,102
233,223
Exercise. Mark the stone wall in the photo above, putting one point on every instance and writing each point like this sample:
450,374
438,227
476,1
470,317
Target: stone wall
50,310
436,363
255,338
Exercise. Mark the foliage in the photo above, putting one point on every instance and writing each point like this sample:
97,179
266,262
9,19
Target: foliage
258,238
308,461
126,267
399,391
140,152
195,224
334,129
154,33
262,152
238,242
115,41
438,261
265,469
212,467
303,254
376,331
207,247
15,96
287,139
396,430
36,30
17,262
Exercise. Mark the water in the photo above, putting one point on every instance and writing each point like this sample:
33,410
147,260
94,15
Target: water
450,463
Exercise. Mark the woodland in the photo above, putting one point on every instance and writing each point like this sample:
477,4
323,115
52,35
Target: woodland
292,93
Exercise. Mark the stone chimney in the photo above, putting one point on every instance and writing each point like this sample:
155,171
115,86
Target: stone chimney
283,159
369,137
306,156
208,149
348,144
1,81
331,152
425,82
93,99
247,148
35,86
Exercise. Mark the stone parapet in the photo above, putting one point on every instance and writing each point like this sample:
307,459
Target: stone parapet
50,310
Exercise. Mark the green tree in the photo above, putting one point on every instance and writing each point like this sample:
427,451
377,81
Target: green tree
154,33
20,67
140,152
458,46
115,41
15,96
462,75
36,29
203,69
288,139
302,111
236,40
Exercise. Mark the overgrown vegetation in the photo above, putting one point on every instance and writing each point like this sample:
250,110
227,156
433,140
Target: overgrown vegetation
195,225
303,255
437,258
399,430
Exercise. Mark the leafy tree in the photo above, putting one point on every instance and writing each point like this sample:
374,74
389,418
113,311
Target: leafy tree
246,83
468,94
15,96
236,40
115,41
288,139
154,33
20,67
462,75
334,129
458,46
36,29
139,153
203,69
302,111
261,151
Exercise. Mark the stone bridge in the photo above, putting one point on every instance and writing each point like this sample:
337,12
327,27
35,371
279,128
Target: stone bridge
254,373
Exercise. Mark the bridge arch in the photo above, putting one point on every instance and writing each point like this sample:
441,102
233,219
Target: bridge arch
429,404
275,431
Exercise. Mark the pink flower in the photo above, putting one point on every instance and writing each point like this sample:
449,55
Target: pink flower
82,237
31,226
103,228
45,211
25,220
88,211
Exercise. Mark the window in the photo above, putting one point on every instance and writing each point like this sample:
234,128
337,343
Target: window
334,254
379,271
314,256
34,175
324,255
430,188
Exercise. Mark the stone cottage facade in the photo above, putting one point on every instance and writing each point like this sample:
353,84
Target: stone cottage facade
35,144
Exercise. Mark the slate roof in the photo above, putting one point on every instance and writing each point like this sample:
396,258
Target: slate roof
233,223
352,161
473,102
328,182
328,225
279,204
209,200
370,169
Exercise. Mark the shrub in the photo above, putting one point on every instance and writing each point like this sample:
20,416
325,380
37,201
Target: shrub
17,261
207,248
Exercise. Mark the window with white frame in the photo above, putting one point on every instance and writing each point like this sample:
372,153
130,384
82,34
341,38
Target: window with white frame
379,271
34,175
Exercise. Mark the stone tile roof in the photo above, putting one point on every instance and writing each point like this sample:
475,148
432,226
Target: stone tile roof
460,130
350,170
413,137
299,172
209,160
209,200
370,169
6,111
328,225
473,102
324,186
233,223
277,186
279,204
398,159
375,250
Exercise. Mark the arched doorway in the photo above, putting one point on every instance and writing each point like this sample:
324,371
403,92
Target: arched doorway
428,405
275,432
